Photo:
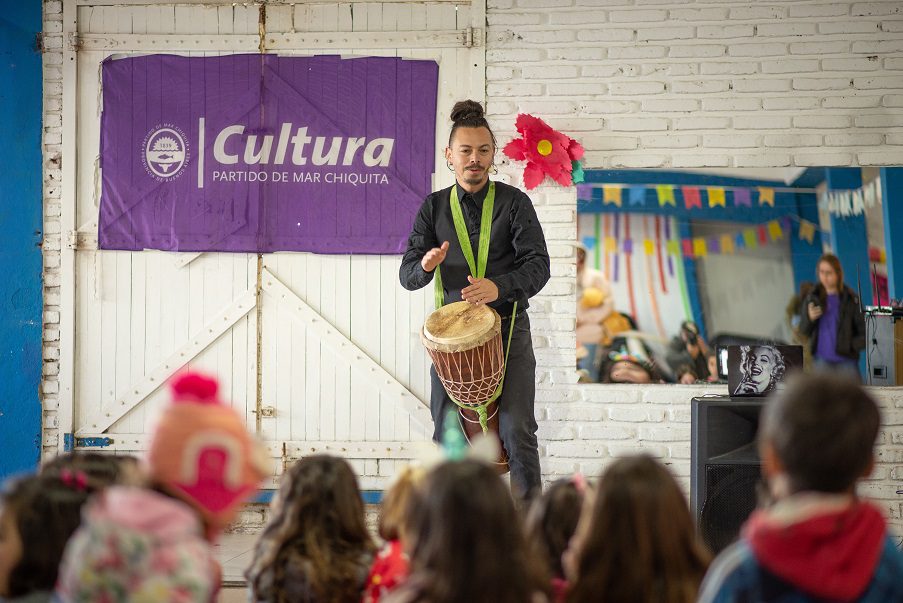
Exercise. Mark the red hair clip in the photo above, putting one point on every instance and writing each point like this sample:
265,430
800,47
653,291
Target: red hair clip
74,479
579,482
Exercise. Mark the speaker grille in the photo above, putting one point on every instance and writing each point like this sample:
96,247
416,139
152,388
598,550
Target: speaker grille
730,498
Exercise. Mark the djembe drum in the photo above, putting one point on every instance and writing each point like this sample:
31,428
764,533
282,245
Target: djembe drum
465,344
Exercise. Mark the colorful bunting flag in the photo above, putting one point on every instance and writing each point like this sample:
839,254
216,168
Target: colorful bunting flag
714,245
672,247
762,234
807,231
585,192
665,195
611,245
611,195
727,244
742,198
628,246
691,197
766,196
740,240
716,197
699,248
749,238
638,195
775,230
649,246
687,247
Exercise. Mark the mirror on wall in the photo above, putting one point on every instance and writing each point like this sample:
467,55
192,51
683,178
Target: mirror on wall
675,265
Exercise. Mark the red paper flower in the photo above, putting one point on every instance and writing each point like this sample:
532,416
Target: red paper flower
546,151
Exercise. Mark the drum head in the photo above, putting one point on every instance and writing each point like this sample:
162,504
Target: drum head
460,323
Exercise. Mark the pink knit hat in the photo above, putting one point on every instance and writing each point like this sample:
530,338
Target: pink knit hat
202,453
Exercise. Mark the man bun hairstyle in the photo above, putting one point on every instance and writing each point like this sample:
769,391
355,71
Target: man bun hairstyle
823,429
468,114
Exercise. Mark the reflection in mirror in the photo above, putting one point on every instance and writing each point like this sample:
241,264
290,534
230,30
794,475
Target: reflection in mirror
675,265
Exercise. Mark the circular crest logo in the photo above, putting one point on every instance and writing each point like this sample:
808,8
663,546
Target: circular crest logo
165,152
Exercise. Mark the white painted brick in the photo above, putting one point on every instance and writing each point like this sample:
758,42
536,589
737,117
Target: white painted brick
790,103
52,7
822,121
883,47
52,42
587,18
757,13
820,10
556,431
512,18
601,71
692,51
794,139
608,143
877,82
577,124
636,415
577,55
820,48
51,335
887,158
769,159
637,16
53,27
892,100
495,107
700,86
677,105
868,9
731,141
606,35
670,141
822,159
604,3
619,451
607,432
495,73
761,85
633,161
577,449
547,107
719,32
637,52
557,468
53,104
790,66
51,354
637,124
891,138
761,122
50,387
731,104
893,63
499,4
530,4
51,317
729,68
698,14
550,71
757,50
698,160
522,55
53,137
574,90
51,299
668,433
853,140
646,34
785,29
670,69
878,121
848,27
892,26
636,88
823,83
524,36
850,102
514,89
701,123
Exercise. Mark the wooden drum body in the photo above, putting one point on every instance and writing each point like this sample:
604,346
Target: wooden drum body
465,344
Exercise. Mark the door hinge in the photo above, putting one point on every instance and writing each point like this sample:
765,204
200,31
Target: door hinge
468,37
73,42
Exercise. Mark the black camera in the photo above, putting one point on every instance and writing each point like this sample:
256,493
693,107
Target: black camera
690,332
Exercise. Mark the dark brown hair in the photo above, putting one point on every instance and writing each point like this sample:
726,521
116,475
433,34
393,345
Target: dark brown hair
317,530
551,522
833,261
103,469
469,114
467,542
641,544
46,512
823,429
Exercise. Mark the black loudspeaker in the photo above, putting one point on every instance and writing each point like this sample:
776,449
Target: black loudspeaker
725,469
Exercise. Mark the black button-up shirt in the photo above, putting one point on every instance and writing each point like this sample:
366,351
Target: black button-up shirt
518,261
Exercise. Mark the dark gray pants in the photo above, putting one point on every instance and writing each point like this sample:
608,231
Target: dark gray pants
517,424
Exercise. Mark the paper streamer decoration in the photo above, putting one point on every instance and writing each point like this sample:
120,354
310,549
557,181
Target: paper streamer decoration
691,197
658,252
628,265
716,197
742,198
611,245
766,196
665,195
611,195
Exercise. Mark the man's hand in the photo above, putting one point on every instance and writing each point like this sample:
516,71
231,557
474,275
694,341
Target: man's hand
434,257
480,291
815,311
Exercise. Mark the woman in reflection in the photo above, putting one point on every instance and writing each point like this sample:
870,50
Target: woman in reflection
761,367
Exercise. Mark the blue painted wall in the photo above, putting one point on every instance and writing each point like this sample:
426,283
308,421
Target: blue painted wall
20,252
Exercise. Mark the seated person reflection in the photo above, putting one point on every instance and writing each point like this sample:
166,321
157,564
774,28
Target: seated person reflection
625,368
762,367
688,348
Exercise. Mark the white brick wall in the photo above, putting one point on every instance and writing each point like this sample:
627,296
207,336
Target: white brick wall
642,83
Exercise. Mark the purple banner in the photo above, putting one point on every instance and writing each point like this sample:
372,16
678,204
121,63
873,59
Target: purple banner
260,153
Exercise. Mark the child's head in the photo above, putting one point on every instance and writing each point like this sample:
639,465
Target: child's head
818,434
712,363
639,511
552,520
202,453
102,469
394,515
38,515
467,541
318,519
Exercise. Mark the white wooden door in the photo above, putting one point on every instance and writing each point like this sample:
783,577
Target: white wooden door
319,353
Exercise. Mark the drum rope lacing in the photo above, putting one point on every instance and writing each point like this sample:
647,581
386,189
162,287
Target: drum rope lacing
478,270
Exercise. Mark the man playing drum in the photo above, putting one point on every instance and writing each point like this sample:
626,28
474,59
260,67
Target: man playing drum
516,269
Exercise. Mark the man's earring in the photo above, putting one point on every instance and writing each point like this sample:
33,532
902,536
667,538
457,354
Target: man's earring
493,169
450,168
